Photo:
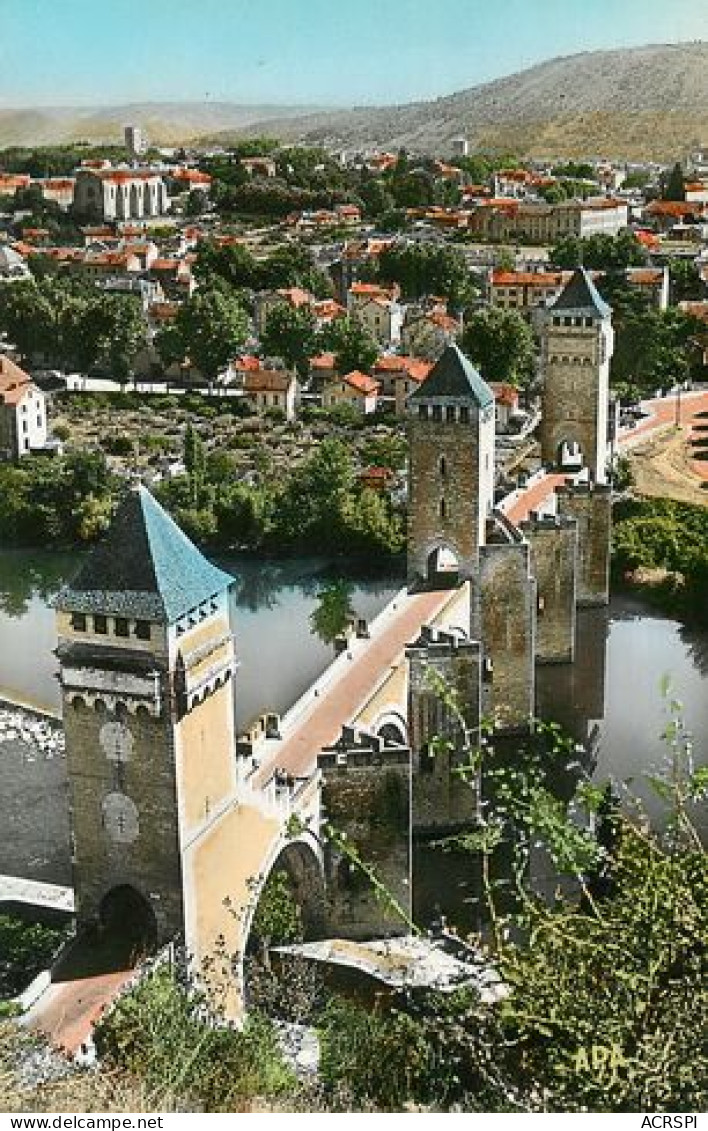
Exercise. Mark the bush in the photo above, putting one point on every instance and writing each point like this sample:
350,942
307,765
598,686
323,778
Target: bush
158,1033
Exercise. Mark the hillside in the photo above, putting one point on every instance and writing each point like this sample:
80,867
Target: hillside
645,103
166,123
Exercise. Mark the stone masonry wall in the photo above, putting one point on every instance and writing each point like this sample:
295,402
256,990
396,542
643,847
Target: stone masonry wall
592,508
442,799
507,610
366,797
571,395
553,543
114,845
456,482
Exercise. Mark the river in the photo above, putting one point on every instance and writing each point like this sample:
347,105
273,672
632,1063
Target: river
610,698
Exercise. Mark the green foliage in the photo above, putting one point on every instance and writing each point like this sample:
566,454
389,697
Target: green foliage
351,343
159,1033
673,184
25,949
669,535
291,335
74,325
500,342
375,1058
600,252
685,281
278,919
427,269
212,326
59,500
333,613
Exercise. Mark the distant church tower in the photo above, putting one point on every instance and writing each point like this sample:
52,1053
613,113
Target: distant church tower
146,658
451,469
578,342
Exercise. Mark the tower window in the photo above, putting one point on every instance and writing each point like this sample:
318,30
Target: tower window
450,414
121,626
443,509
78,622
100,625
437,412
142,629
443,467
464,415
423,411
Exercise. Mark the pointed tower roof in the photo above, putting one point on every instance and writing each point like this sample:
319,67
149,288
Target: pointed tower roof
145,567
454,378
581,296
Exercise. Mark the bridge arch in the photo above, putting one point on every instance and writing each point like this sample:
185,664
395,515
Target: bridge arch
392,727
300,860
442,563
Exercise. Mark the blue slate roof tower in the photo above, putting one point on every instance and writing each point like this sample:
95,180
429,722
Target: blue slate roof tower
577,345
451,470
145,567
146,660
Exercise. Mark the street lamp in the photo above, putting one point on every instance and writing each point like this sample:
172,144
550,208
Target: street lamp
677,420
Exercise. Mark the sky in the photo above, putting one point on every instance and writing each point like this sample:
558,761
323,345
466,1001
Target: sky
304,52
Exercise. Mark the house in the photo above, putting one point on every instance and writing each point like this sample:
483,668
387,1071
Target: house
13,266
383,318
23,413
506,403
239,368
266,301
398,376
355,388
653,282
174,276
426,334
60,190
259,166
323,371
272,388
667,214
502,218
525,291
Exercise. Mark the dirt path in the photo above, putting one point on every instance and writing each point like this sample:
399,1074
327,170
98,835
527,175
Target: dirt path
663,466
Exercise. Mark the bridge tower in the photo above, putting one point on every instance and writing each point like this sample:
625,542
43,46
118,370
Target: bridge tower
577,345
451,470
146,658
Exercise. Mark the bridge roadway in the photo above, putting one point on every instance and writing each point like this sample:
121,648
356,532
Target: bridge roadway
320,725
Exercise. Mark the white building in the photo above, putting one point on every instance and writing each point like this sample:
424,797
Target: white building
120,194
23,413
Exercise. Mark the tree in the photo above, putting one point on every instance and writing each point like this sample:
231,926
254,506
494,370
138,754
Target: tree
685,281
600,252
674,185
426,270
376,197
213,327
352,344
314,504
290,333
333,612
115,325
500,342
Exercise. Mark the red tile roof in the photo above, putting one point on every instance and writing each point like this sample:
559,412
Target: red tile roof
362,382
14,382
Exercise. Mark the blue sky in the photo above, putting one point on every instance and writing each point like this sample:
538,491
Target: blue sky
326,52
